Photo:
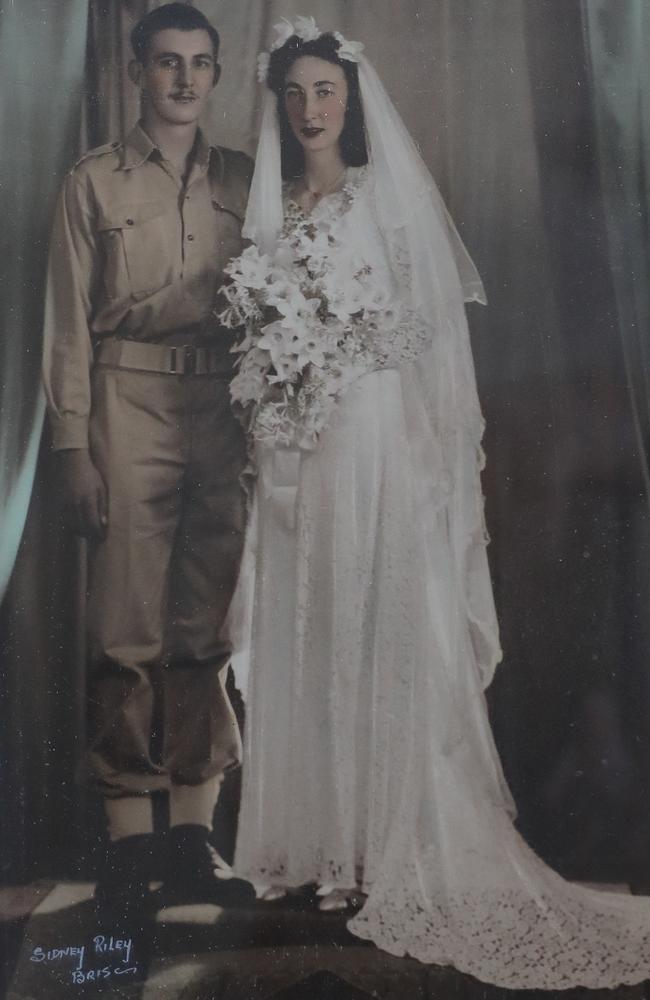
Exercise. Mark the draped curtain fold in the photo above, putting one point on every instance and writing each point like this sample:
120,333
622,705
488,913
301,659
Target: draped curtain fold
515,122
42,52
43,60
617,40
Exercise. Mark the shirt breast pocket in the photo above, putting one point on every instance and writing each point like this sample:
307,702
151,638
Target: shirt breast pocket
137,255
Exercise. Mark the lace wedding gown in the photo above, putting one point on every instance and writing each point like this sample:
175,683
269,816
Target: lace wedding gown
368,754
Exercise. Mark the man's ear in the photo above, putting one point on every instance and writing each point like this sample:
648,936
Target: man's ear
217,74
135,72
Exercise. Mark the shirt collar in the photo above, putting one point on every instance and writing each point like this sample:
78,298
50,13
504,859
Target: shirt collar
138,148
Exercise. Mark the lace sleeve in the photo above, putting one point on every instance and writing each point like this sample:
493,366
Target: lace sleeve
406,334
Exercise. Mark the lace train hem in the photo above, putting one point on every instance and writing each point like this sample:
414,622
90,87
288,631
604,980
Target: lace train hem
517,943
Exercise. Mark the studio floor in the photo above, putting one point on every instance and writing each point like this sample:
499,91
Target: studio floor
54,949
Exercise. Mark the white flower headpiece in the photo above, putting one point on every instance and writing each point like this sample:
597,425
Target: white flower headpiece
306,29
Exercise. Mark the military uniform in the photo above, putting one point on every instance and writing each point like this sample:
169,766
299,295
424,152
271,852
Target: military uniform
136,368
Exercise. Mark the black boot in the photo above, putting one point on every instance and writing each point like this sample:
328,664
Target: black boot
122,889
198,874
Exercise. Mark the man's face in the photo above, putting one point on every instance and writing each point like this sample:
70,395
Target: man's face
179,72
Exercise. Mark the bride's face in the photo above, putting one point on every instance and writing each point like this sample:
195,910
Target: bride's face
316,94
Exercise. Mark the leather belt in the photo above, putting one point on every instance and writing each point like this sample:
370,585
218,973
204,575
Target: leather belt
182,359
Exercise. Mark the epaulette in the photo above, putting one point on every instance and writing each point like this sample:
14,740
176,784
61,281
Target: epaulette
236,160
108,147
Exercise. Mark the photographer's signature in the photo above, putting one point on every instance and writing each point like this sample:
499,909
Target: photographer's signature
115,952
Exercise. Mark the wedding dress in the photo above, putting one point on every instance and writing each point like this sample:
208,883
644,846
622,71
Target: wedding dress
369,758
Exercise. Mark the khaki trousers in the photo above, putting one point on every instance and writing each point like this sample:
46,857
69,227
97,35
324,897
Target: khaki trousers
171,454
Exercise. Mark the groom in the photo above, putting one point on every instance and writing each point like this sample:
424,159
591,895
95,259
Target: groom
136,372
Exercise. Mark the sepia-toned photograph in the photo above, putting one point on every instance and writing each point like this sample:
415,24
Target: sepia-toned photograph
325,500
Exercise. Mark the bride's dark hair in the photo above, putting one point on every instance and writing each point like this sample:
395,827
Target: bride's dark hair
352,140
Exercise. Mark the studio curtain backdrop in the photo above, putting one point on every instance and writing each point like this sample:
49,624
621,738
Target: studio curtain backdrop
512,116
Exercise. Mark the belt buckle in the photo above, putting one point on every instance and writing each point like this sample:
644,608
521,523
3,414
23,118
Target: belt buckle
190,361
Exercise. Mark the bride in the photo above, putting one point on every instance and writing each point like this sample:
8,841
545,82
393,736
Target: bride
370,767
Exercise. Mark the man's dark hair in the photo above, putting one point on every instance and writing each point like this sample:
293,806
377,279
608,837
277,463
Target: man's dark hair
170,15
352,140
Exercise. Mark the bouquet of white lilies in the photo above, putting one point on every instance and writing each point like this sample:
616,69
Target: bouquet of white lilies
314,320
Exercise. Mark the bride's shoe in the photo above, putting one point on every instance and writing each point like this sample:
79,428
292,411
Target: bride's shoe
339,900
271,893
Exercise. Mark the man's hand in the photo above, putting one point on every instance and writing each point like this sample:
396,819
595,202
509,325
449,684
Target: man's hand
85,492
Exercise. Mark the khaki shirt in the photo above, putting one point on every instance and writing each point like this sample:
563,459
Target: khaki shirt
135,254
